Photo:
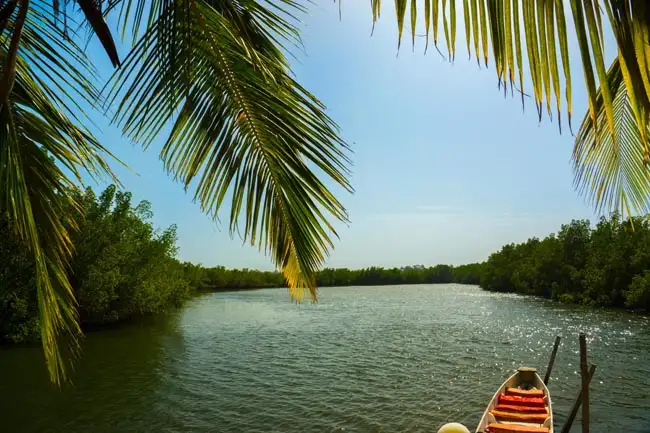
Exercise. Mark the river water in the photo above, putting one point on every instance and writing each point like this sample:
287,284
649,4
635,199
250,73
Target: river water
364,359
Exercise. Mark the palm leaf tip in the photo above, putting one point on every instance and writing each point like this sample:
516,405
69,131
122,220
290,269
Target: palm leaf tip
510,33
612,151
95,20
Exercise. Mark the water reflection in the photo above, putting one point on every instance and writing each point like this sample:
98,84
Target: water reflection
114,384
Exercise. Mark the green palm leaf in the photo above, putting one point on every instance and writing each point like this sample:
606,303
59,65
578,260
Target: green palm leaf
241,126
38,141
544,35
611,174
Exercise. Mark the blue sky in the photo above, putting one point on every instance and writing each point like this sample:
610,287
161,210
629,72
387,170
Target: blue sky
446,170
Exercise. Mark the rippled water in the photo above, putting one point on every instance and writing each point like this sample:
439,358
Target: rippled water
371,359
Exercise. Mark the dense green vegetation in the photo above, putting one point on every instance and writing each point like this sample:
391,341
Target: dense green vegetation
607,265
121,267
375,276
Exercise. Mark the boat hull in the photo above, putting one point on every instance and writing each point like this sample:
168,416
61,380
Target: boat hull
513,409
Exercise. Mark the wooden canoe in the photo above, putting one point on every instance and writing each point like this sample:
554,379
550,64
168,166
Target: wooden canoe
521,405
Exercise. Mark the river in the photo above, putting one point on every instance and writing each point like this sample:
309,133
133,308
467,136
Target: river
363,359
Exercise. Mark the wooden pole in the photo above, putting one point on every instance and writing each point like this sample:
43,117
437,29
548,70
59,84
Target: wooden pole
584,372
551,361
576,404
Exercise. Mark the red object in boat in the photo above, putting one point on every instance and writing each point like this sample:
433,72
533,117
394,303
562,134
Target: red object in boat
521,401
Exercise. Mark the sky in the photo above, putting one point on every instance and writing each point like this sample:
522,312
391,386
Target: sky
445,169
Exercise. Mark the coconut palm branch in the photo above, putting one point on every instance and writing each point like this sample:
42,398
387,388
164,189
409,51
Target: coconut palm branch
526,43
43,154
612,173
242,125
243,128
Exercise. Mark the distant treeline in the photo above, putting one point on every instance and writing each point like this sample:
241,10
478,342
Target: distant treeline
220,278
608,265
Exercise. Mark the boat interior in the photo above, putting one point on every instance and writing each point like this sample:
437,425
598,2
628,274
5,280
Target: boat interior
521,405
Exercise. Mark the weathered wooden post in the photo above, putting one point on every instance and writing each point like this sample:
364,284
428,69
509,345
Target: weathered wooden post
576,404
551,361
584,372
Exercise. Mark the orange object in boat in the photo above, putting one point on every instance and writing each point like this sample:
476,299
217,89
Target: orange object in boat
521,401
516,428
525,392
538,418
525,409
508,413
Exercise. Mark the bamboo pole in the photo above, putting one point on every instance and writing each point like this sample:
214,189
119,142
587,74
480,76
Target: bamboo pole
585,383
551,361
576,404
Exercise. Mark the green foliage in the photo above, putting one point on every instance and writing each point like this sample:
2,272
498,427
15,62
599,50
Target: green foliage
242,126
45,148
18,312
607,265
638,295
376,276
122,267
243,130
220,278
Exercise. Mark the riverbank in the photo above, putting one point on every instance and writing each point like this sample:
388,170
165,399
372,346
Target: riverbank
607,265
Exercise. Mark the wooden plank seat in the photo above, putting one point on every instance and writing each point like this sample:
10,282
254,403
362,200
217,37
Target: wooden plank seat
525,392
524,409
522,404
515,428
537,418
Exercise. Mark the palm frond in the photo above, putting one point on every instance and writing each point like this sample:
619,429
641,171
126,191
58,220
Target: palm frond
540,27
94,18
612,174
502,26
630,22
241,126
545,39
39,139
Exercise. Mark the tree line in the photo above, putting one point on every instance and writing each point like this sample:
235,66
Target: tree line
219,278
606,265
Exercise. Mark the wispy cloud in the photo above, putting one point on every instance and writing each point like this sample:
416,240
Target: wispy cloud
522,215
424,212
443,209
444,212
